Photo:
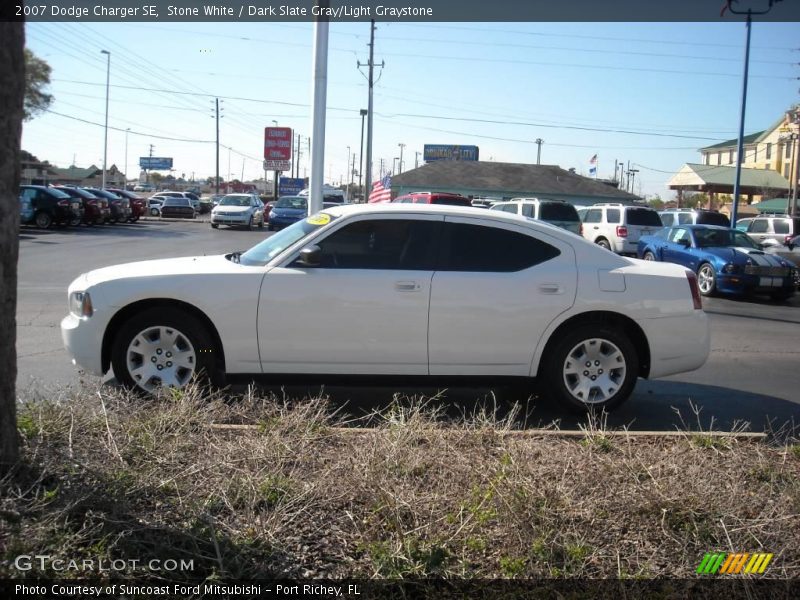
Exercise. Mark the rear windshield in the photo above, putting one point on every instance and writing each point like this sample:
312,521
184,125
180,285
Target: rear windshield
450,201
643,216
558,211
713,218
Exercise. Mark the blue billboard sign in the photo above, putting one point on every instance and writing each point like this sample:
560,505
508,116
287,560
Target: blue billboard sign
290,186
433,152
155,163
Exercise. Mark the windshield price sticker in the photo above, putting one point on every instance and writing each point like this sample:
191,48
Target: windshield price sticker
319,219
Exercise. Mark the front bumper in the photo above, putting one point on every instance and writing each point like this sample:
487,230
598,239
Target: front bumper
83,339
219,219
754,284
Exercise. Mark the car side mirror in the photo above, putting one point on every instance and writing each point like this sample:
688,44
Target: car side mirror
310,256
684,242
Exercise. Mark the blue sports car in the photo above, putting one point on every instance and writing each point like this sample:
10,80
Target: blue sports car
725,260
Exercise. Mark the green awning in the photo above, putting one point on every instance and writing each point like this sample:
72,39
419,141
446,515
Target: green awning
775,205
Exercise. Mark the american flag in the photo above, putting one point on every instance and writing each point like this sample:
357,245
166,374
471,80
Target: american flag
593,160
382,190
593,167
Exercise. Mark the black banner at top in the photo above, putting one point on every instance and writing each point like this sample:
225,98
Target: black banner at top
399,11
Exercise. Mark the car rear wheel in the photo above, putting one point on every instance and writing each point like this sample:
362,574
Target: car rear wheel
43,220
154,212
75,222
603,243
706,279
215,226
162,347
649,256
592,367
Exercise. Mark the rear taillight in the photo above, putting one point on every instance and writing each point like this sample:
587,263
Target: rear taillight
622,231
63,202
786,240
92,202
580,229
696,299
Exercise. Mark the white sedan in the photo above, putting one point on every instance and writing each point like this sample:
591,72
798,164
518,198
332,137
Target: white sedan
238,209
396,289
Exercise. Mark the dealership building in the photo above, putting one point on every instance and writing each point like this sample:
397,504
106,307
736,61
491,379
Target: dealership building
497,180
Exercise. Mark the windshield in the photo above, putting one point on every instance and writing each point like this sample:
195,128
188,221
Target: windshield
262,253
235,201
291,202
723,237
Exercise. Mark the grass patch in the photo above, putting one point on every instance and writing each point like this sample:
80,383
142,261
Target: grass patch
306,492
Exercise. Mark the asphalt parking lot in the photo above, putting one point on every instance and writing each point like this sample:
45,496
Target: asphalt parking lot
752,375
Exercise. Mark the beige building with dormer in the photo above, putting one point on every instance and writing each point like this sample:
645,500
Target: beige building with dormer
772,149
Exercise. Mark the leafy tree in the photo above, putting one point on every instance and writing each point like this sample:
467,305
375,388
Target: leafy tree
156,178
656,202
37,77
12,95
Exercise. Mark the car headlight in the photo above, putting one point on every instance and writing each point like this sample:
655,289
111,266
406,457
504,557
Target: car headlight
80,305
731,268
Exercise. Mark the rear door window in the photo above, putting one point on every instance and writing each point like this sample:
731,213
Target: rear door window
480,248
612,215
758,226
781,225
593,215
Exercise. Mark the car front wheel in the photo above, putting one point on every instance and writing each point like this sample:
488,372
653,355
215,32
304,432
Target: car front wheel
706,280
162,347
592,367
649,256
154,212
603,243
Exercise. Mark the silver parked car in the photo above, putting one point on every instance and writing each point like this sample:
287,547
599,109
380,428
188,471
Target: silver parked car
244,210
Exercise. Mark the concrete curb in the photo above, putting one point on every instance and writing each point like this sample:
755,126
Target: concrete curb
567,433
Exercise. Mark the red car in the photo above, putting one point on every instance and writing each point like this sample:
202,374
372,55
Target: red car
138,204
95,209
434,198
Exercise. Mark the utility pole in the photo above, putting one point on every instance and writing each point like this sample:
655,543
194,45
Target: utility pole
628,177
146,172
633,173
319,96
539,142
401,157
416,159
216,181
275,175
125,186
371,82
616,171
347,166
363,113
352,172
105,141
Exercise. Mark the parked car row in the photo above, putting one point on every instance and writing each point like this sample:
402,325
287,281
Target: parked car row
44,206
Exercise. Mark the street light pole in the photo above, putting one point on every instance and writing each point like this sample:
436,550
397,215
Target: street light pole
275,175
105,140
125,184
400,164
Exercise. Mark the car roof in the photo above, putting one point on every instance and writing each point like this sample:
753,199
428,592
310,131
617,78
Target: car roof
701,226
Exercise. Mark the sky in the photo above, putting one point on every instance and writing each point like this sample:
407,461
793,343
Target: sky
648,93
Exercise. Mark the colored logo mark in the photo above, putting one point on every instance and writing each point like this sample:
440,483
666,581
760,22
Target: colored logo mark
733,564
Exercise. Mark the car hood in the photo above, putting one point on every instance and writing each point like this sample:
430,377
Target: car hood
741,255
190,265
231,209
289,211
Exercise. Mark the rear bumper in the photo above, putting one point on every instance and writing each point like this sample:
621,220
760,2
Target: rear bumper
677,344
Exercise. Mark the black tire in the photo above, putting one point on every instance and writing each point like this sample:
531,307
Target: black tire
43,220
603,344
154,212
649,256
191,338
250,224
75,222
215,226
706,279
603,243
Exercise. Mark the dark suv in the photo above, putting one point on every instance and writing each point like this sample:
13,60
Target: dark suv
95,210
50,206
138,204
120,207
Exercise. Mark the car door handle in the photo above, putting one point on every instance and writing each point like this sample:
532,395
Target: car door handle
407,286
550,288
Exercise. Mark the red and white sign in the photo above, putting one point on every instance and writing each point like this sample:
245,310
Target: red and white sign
278,148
